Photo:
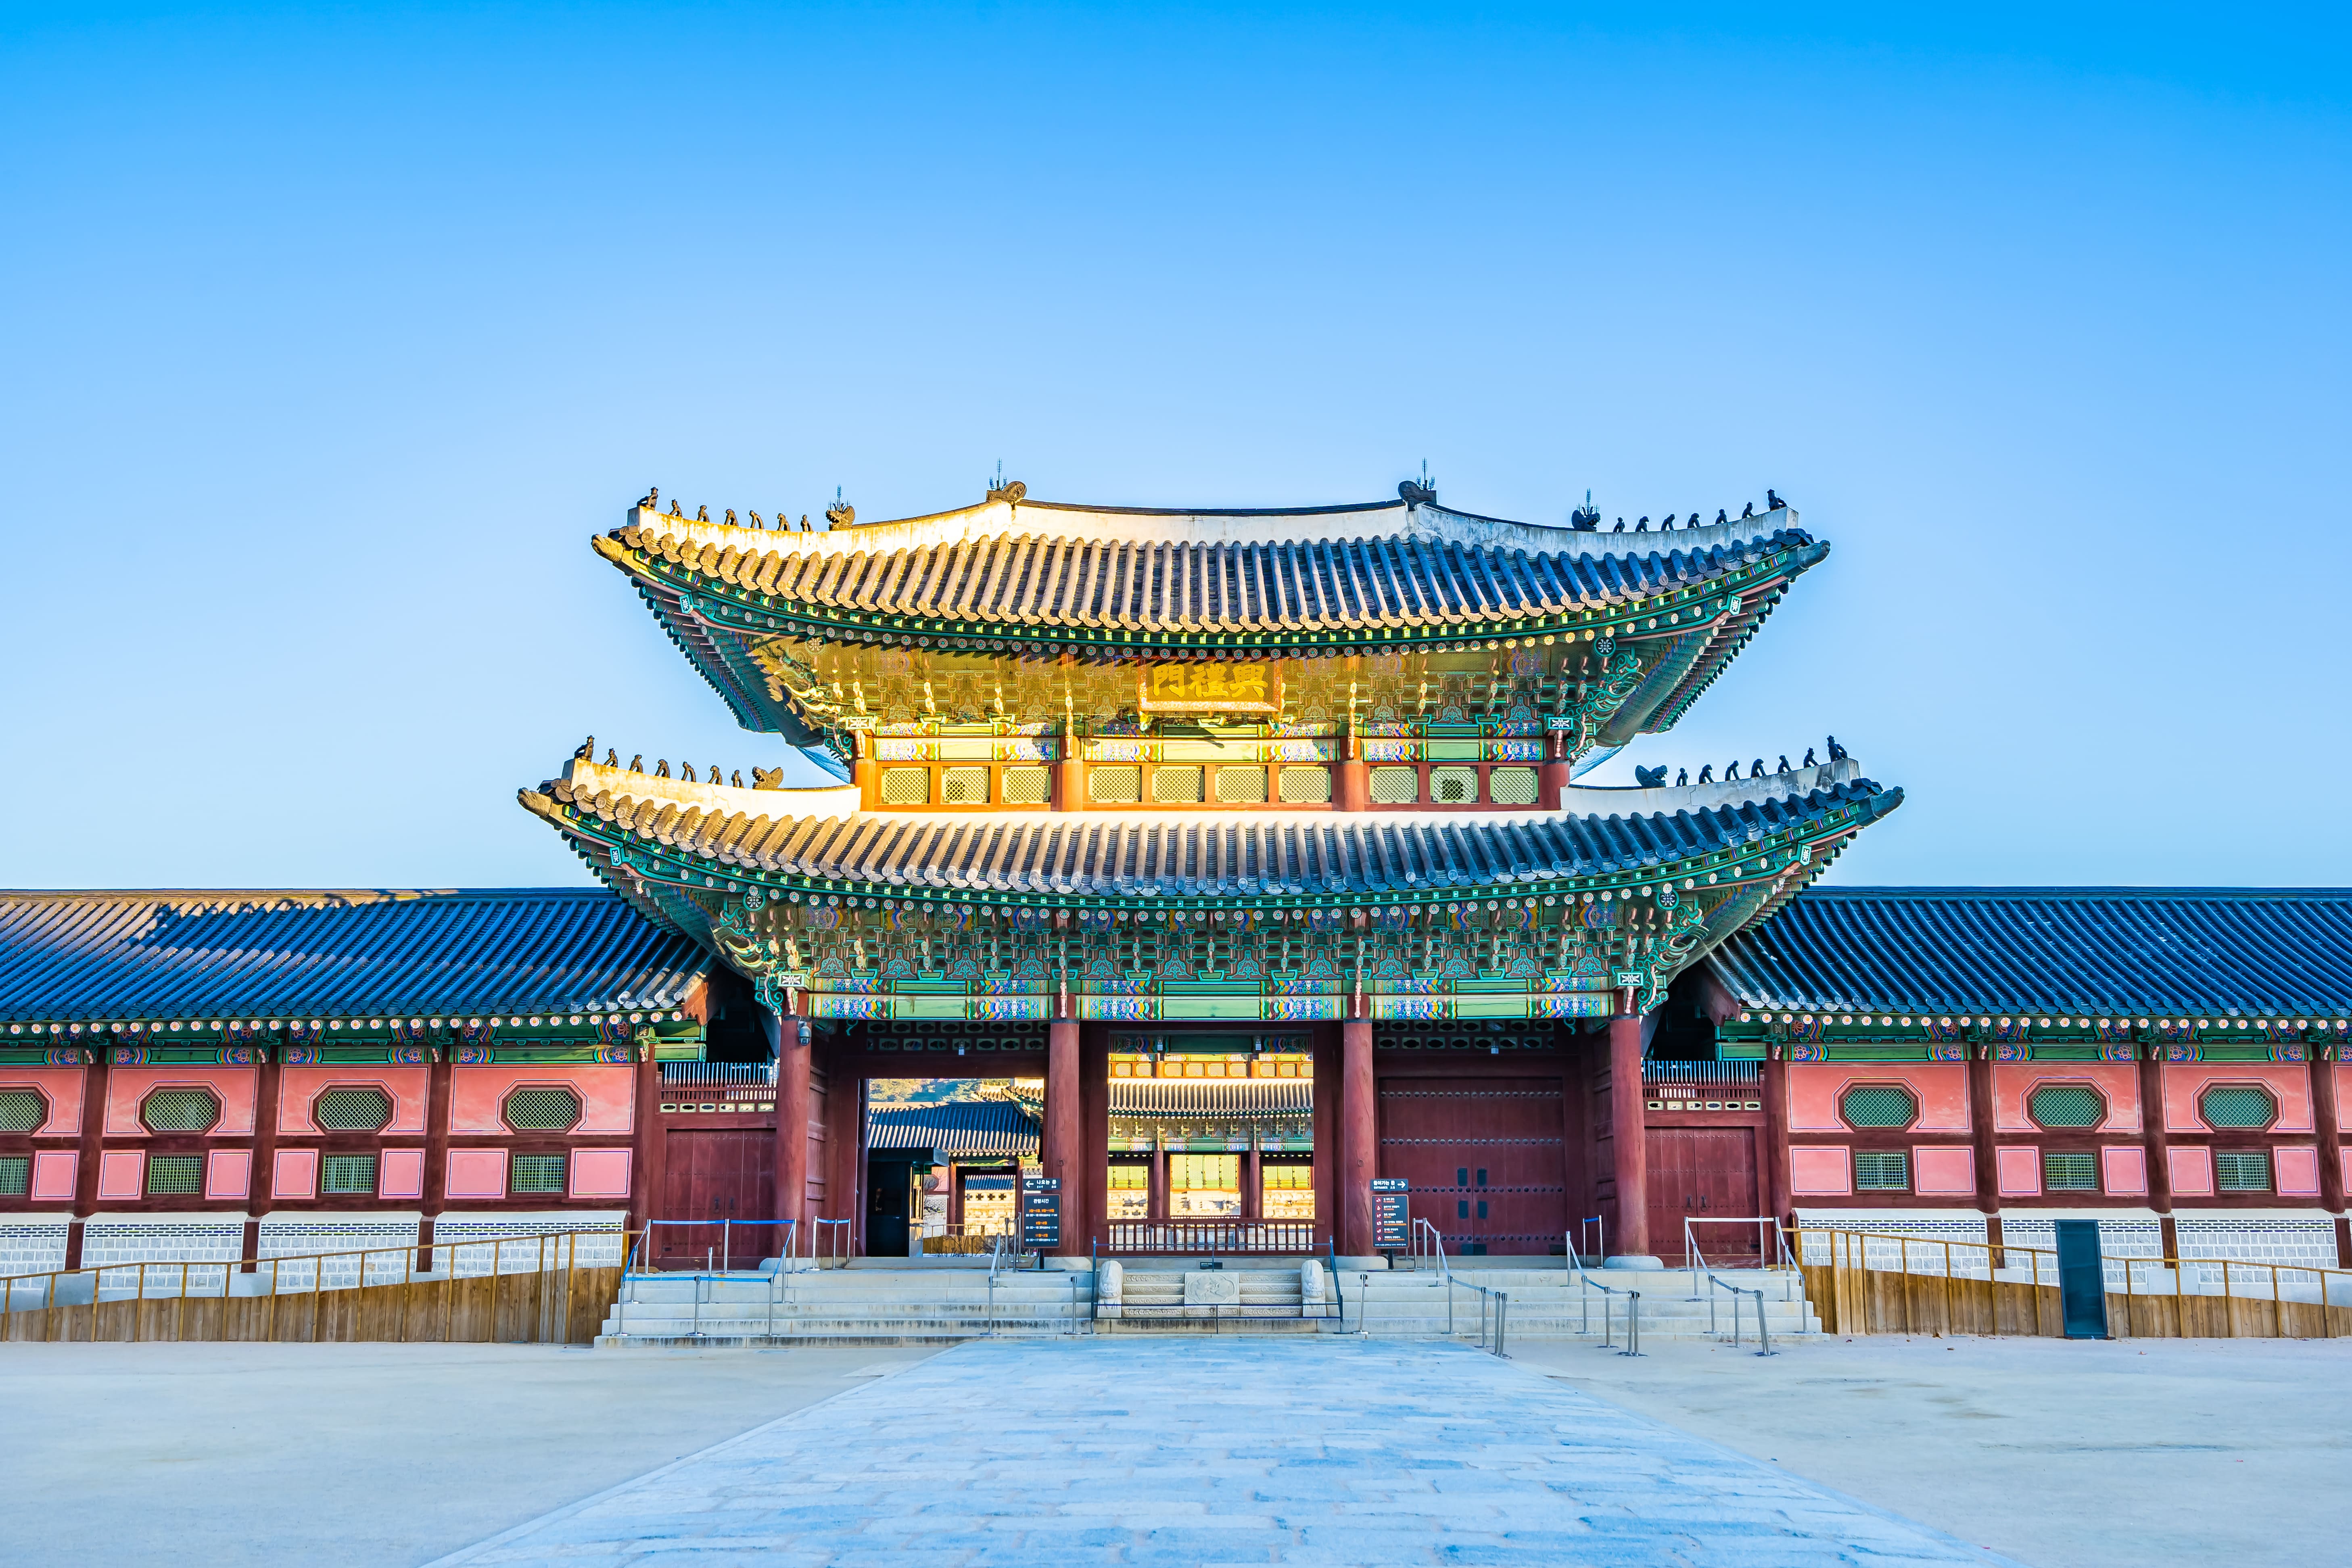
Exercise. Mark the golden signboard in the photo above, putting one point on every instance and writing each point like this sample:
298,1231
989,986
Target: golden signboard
1217,687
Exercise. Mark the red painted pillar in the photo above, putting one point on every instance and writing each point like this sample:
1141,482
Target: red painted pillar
1094,1134
2151,1130
1063,1153
1155,1190
864,770
845,1122
1351,781
1774,1187
91,1146
1359,1135
1253,1170
1552,778
438,1096
644,1163
1628,1124
788,1037
265,1156
2327,1120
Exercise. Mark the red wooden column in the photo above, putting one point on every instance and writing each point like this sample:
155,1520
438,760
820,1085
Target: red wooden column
438,1096
91,1146
1253,1174
259,1184
2327,1120
1552,778
1063,1154
1981,1126
1628,1128
1360,1137
844,1139
1093,1132
2151,1131
642,1158
1155,1191
788,1037
1774,1186
1351,781
1327,1170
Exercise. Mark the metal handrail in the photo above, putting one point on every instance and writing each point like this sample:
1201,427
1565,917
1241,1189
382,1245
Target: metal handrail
1763,1335
565,1243
1695,1260
838,1234
1436,1247
1586,1283
723,1256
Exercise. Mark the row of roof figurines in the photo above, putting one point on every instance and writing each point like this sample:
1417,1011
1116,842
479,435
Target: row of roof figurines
1585,518
772,778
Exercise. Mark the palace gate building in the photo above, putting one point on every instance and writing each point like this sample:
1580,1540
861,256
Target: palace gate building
1256,838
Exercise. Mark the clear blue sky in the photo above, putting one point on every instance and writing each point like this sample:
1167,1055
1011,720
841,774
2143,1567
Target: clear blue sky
331,335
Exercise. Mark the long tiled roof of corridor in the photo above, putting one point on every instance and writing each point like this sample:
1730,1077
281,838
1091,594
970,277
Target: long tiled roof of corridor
106,955
2250,952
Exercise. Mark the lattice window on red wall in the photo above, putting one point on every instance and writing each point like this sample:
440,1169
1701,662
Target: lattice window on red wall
536,1174
349,1173
2069,1173
353,1109
1882,1171
2238,1105
2066,1105
542,1109
174,1175
179,1110
15,1175
1877,1105
22,1110
2241,1170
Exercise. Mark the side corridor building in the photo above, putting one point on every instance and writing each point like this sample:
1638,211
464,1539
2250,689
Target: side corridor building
1256,838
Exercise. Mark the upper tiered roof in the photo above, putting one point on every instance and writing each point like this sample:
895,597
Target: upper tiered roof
1019,577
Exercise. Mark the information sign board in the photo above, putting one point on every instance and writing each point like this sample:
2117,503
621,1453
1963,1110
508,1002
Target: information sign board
1391,1224
1041,1213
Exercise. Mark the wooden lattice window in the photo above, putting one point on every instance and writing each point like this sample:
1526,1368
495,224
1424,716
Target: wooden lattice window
2238,1106
1305,786
1878,1105
22,1110
1176,787
1028,786
542,1109
15,1175
1882,1171
1511,787
174,1175
905,786
1395,786
2068,1172
348,1174
1115,786
2066,1105
1240,786
536,1174
2241,1170
963,786
1453,786
352,1110
179,1110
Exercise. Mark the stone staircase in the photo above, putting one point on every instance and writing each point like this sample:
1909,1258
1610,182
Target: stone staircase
890,1301
1554,1303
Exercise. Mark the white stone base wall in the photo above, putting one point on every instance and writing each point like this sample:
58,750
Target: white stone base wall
451,1230
1925,1225
33,1243
2296,1237
388,1241
108,1243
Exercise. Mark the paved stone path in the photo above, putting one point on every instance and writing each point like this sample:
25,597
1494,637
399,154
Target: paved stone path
1200,1452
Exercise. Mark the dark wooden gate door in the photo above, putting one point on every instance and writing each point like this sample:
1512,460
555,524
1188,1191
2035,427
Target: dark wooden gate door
711,1177
1703,1173
1483,1156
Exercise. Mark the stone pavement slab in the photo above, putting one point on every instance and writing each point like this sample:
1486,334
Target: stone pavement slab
1348,1453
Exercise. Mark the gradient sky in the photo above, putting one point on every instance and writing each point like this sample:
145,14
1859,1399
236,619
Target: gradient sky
331,335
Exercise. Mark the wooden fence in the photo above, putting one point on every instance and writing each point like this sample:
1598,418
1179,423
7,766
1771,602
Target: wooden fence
1963,1293
554,1301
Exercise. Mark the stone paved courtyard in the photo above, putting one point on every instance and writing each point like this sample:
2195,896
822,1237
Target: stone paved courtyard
1205,1453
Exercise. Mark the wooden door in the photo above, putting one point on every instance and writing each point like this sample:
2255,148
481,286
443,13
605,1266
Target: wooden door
1703,1173
709,1178
1483,1156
